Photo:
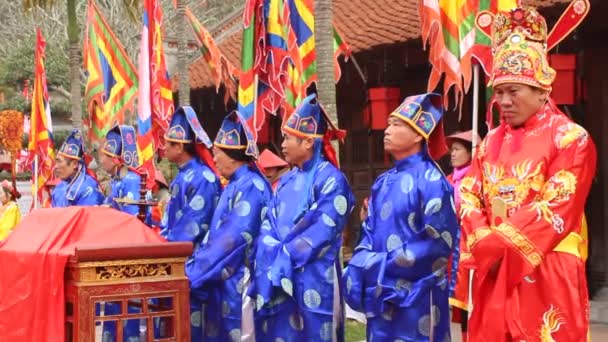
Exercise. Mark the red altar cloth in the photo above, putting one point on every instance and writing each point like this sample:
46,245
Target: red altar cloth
33,258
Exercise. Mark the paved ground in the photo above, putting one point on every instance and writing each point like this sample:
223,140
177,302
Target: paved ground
25,202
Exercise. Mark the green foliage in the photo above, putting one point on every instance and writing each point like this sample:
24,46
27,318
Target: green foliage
59,138
18,65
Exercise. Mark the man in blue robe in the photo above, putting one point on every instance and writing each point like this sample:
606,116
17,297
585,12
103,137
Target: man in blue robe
78,185
119,159
196,188
297,262
220,270
397,275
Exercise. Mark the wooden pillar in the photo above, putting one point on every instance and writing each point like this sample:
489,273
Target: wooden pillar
596,122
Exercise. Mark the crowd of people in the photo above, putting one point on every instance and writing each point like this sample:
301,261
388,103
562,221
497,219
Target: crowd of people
503,233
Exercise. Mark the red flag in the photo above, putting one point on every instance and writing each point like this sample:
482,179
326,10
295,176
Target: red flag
41,130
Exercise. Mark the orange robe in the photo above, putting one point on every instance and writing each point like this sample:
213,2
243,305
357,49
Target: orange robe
522,211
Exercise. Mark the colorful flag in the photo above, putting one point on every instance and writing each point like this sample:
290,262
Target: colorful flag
221,69
112,81
482,50
41,130
248,80
155,103
278,57
340,48
448,26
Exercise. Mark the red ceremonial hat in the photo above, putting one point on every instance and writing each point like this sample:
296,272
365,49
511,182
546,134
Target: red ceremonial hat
269,160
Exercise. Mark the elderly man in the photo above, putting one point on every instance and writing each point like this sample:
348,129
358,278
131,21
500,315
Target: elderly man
78,185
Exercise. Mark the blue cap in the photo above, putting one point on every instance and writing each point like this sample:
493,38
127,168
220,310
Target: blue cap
185,128
308,120
423,112
73,147
235,134
121,143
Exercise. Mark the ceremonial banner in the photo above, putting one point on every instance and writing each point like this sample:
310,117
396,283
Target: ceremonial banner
41,148
112,81
155,103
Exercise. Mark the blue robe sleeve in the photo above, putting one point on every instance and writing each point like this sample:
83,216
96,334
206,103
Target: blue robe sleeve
362,257
429,251
320,228
90,194
129,188
193,221
372,277
225,250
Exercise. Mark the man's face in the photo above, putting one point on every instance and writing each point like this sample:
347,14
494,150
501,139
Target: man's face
107,163
296,150
65,167
173,150
518,102
400,138
223,163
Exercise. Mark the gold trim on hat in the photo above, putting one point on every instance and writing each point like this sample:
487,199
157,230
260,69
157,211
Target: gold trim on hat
412,123
230,147
301,134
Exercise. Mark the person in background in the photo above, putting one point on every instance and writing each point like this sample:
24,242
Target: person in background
118,157
221,269
196,188
461,153
160,193
397,274
274,167
9,210
79,185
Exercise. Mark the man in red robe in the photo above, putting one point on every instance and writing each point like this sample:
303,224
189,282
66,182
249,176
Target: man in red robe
523,200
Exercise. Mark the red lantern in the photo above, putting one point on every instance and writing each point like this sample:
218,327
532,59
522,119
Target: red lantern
564,86
382,101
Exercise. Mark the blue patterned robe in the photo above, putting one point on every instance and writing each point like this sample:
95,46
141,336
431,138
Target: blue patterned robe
297,266
398,268
220,269
80,190
124,187
194,195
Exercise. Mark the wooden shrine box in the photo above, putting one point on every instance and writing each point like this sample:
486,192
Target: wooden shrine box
146,283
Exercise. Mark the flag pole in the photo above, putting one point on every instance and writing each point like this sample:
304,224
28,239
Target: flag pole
475,106
474,142
36,181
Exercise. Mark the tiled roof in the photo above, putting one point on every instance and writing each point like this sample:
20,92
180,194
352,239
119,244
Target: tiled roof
364,24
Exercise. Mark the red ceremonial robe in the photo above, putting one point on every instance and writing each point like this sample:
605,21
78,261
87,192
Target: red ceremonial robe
522,212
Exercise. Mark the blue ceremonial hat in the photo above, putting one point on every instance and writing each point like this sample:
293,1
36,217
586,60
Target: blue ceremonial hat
308,120
73,147
186,128
234,134
121,143
424,113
